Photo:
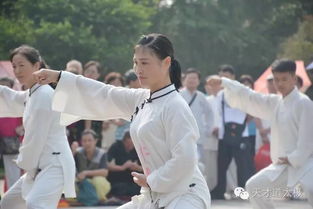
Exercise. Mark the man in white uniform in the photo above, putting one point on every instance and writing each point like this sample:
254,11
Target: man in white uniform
202,111
291,142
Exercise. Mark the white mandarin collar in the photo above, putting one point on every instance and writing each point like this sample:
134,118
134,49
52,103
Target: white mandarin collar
162,92
155,95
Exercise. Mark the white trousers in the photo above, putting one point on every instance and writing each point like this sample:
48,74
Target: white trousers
12,172
44,194
231,177
261,188
187,201
210,167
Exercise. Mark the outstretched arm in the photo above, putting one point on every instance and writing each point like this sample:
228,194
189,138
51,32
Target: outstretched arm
11,102
241,97
78,98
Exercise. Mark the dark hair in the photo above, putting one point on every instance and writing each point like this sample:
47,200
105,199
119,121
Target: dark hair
129,76
193,70
113,76
30,53
90,131
283,66
8,80
93,63
247,78
226,69
163,48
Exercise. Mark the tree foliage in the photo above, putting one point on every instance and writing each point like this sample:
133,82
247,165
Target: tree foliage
206,33
103,30
300,45
244,33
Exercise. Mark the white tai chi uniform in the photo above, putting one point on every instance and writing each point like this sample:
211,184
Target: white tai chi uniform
163,130
203,113
45,154
291,136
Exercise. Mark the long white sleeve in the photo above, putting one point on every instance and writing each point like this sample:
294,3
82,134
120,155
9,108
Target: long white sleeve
181,134
78,97
304,148
243,98
11,102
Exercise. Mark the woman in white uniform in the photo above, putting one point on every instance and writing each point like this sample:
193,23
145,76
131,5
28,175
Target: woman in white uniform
163,128
45,154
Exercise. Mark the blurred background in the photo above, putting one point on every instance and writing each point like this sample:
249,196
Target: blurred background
206,33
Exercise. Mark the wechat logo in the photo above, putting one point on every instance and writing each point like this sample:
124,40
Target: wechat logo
240,192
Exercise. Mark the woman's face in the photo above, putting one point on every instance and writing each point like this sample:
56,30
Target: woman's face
151,71
92,72
192,81
89,142
23,70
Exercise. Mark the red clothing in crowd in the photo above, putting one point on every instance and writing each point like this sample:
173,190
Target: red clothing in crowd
8,126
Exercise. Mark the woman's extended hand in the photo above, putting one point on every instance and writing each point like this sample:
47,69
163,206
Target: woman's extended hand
46,76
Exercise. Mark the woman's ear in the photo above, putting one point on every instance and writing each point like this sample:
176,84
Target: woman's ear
167,62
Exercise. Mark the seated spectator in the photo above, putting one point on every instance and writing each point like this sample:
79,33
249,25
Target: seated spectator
123,159
91,164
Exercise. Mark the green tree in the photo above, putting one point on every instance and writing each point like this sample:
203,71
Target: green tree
14,32
103,30
300,45
244,33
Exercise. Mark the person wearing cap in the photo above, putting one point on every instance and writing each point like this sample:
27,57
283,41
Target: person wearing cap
290,114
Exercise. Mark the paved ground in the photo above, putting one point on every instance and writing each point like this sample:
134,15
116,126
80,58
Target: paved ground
229,204
235,204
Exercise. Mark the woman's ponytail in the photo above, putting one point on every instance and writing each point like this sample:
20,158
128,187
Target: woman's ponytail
175,73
